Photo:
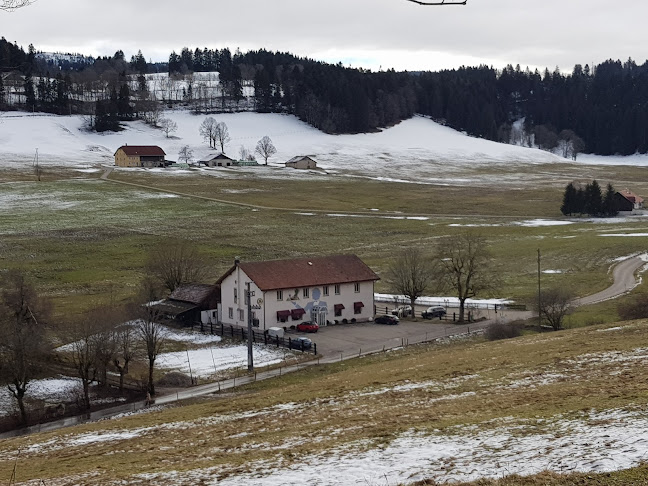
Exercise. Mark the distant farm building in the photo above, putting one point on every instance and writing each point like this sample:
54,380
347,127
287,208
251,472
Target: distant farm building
627,201
302,162
140,156
220,160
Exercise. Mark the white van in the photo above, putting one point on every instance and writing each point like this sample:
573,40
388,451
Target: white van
276,332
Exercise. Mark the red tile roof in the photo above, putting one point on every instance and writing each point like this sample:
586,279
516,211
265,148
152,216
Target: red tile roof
142,150
306,272
632,197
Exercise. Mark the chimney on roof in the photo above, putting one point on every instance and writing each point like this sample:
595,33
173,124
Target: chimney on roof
237,260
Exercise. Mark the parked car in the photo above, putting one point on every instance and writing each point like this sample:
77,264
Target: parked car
300,343
402,311
391,320
307,327
432,312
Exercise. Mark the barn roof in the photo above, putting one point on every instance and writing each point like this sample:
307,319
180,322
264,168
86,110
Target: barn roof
220,156
142,150
192,293
631,196
298,158
306,272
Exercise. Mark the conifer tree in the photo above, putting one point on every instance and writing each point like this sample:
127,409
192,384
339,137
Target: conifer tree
609,206
569,200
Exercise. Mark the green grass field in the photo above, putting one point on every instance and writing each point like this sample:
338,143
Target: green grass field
85,241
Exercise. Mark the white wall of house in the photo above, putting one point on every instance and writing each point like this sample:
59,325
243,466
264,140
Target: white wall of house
321,299
209,316
233,303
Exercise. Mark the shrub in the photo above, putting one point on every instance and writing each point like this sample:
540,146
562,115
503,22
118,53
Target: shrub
497,331
637,308
175,379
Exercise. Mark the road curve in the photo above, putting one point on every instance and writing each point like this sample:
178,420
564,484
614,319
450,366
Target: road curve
624,280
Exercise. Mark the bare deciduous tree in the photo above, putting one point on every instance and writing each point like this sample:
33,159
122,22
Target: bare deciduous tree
207,130
124,343
465,265
10,5
168,126
221,135
555,304
150,330
185,155
411,274
24,345
265,148
175,264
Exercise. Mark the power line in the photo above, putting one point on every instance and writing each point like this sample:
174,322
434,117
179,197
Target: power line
441,2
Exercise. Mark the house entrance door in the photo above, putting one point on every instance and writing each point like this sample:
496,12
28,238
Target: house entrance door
318,316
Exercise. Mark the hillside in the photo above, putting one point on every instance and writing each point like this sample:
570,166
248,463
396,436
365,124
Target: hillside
564,402
415,150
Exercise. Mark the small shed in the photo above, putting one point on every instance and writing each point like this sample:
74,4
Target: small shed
191,304
220,160
302,162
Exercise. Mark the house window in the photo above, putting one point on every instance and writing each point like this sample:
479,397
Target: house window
279,294
306,292
337,289
356,287
213,313
241,314
231,313
325,290
357,307
338,308
246,297
235,295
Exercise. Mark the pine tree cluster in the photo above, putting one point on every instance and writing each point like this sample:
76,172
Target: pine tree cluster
589,200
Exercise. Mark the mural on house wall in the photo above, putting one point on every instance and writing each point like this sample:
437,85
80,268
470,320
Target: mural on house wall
316,309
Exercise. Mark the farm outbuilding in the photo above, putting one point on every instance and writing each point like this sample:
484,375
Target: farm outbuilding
626,200
140,156
220,160
191,304
302,162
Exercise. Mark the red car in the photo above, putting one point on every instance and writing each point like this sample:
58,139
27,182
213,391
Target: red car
307,327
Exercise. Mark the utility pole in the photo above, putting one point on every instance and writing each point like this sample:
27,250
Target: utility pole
248,295
539,295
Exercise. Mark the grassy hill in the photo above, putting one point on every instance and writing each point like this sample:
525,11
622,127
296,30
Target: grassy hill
565,402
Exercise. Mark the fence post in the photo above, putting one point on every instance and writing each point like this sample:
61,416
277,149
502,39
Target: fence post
232,330
454,316
315,350
265,339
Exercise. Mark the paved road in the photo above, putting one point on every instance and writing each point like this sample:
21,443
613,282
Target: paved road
624,280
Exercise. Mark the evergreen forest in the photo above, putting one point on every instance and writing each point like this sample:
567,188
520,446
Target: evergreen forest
599,109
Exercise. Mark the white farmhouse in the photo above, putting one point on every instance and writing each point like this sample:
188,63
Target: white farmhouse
324,290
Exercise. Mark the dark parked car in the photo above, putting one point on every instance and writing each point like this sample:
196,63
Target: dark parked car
391,320
432,312
301,343
307,327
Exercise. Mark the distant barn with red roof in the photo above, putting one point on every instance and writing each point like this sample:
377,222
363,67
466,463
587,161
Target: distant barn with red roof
140,156
626,200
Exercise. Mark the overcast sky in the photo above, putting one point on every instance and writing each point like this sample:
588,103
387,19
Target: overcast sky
363,33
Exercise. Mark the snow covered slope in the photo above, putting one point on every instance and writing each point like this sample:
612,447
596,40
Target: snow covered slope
416,150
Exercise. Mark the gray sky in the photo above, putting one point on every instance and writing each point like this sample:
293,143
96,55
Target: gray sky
362,33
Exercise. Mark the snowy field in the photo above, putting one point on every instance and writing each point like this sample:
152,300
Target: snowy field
416,150
585,439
